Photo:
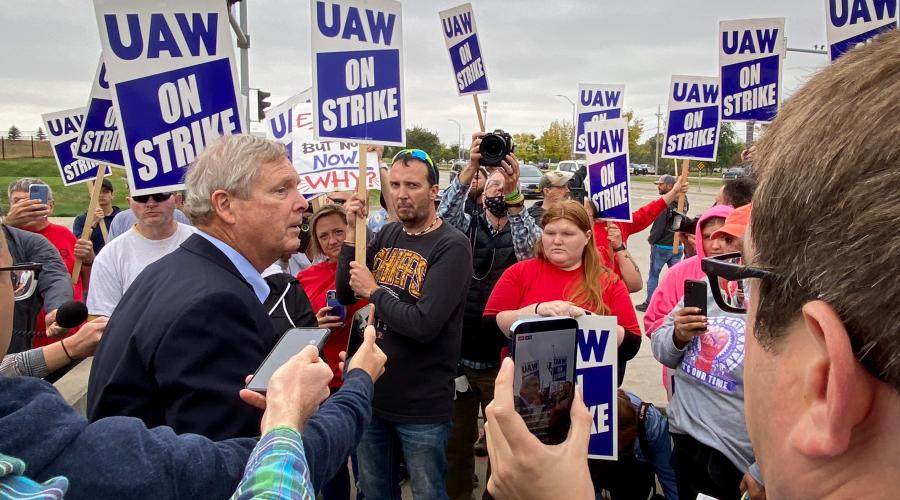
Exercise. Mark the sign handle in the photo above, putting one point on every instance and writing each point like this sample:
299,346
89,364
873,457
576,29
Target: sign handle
478,111
685,169
89,218
362,191
103,230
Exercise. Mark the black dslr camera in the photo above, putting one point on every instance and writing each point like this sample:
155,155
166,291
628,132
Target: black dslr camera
681,223
494,148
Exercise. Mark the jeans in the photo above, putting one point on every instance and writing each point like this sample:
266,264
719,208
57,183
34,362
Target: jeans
460,455
658,258
424,448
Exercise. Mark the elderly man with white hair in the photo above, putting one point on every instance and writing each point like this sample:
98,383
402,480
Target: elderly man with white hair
191,327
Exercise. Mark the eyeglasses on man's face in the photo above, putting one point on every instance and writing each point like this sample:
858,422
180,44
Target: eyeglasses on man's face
24,279
729,280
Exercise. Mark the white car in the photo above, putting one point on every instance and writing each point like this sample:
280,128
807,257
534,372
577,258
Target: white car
569,166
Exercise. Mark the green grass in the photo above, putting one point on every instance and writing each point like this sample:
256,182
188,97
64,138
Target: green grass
68,201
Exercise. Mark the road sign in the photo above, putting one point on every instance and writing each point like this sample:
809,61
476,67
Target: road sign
700,166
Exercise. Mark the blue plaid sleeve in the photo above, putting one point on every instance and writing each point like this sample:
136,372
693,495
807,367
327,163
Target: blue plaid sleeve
277,468
13,484
525,233
451,207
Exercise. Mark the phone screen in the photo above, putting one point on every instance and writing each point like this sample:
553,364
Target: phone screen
544,382
292,342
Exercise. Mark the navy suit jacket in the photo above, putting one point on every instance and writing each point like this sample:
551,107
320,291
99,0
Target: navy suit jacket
179,345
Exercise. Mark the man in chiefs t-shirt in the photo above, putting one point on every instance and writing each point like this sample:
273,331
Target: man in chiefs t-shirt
33,215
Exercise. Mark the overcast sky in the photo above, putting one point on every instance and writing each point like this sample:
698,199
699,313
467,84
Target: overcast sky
532,50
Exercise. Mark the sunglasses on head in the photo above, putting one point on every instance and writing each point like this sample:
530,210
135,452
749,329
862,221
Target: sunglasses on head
157,197
419,155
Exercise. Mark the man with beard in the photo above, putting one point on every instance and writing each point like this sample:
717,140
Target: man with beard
413,277
661,238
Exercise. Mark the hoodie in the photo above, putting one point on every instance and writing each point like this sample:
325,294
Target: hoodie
708,381
671,287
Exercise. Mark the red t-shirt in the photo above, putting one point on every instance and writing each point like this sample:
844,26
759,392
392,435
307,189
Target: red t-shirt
316,281
537,280
64,241
640,220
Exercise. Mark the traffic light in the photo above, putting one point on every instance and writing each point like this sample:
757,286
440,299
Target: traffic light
262,104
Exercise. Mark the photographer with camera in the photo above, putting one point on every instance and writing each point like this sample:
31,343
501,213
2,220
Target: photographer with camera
503,234
661,237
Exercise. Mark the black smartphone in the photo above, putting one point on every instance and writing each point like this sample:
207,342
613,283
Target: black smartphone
292,342
39,192
337,309
695,295
544,353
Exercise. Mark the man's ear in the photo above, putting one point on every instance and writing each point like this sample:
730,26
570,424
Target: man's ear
223,206
837,391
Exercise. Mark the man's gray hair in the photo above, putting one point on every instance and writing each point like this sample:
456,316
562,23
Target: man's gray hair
231,164
24,184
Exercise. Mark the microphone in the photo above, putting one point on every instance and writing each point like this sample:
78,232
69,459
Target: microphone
71,314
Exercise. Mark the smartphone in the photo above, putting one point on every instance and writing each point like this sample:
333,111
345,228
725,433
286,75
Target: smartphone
39,192
695,295
337,309
292,342
543,351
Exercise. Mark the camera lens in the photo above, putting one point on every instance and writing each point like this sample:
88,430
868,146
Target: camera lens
492,149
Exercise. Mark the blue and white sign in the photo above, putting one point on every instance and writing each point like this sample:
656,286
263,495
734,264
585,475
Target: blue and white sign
750,60
283,118
175,88
326,167
99,136
855,22
596,371
693,126
63,128
357,65
608,183
596,102
461,37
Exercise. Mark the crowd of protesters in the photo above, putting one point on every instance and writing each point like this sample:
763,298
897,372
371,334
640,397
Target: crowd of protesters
783,384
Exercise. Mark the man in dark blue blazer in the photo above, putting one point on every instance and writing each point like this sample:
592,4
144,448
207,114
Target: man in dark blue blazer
192,326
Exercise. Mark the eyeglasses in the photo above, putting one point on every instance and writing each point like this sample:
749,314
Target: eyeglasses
157,197
419,155
730,274
24,278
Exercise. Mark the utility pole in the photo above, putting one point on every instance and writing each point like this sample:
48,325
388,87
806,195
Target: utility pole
458,136
245,65
658,118
484,113
748,138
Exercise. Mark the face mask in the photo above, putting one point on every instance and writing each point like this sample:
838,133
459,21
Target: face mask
496,205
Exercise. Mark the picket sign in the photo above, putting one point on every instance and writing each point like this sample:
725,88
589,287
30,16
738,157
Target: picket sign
596,371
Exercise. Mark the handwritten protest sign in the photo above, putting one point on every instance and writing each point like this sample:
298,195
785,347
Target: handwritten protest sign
608,183
172,72
99,136
358,71
596,371
63,128
693,126
328,166
750,61
461,37
596,102
855,22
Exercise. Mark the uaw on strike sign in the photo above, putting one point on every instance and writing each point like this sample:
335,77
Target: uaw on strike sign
461,37
750,59
171,69
855,22
358,71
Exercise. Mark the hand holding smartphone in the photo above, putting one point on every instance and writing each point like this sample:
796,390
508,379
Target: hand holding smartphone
292,342
39,192
695,295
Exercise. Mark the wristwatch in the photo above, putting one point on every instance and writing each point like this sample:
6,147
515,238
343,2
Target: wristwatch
619,248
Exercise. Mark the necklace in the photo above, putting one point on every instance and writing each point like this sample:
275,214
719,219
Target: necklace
420,233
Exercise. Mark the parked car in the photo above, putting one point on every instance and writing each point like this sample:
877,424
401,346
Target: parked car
543,165
569,166
456,168
639,169
651,169
529,177
734,173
